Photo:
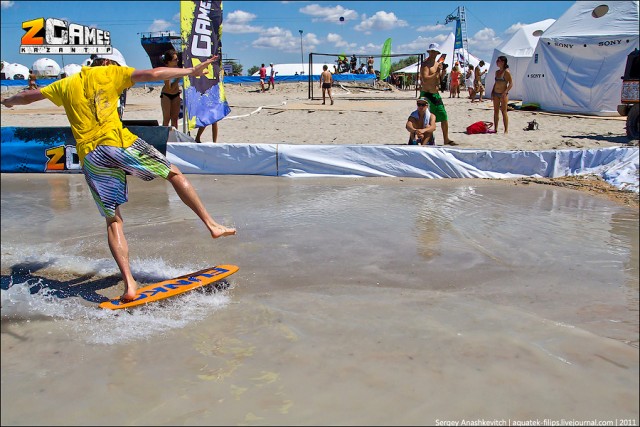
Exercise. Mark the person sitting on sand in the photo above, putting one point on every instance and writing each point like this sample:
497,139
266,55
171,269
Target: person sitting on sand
421,124
108,152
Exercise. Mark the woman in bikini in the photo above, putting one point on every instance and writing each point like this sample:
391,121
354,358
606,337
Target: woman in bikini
500,93
170,95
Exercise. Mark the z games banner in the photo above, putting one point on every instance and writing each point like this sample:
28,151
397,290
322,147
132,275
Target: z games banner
201,32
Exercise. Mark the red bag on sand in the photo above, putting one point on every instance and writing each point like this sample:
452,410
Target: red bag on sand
480,127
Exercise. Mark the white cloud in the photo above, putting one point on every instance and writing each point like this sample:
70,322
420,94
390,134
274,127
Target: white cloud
284,40
337,41
437,27
159,25
329,14
420,44
380,21
239,22
515,27
483,42
7,4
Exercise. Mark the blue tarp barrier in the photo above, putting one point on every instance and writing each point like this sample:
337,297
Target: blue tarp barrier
364,78
53,149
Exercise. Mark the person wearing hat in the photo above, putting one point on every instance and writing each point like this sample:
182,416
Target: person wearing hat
430,84
108,152
421,124
272,77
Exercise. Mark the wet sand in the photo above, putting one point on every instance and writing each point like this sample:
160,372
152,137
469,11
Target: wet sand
359,301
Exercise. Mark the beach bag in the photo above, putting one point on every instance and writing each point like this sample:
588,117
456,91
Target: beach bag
480,127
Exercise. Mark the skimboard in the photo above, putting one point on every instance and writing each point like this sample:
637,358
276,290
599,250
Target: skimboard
171,287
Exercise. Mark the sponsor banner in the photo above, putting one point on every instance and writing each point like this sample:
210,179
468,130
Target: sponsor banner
201,32
53,149
57,36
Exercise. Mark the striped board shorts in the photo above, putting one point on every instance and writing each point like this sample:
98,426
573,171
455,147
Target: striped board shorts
106,169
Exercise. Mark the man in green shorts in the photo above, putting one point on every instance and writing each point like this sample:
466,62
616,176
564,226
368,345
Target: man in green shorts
108,151
430,82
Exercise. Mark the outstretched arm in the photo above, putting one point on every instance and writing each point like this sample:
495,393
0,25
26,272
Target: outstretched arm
23,98
168,73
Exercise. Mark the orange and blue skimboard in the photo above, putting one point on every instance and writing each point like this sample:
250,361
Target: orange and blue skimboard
172,287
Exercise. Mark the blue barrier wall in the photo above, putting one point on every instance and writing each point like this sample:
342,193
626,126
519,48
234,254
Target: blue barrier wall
53,149
364,78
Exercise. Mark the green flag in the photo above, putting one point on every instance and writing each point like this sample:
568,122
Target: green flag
385,60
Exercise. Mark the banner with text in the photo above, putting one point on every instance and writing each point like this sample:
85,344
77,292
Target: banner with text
201,32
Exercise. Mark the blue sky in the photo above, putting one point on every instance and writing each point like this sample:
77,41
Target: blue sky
268,31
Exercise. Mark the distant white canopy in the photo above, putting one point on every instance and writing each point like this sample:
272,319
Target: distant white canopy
15,71
46,67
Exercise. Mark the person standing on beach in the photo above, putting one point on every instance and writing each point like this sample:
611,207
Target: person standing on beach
478,87
430,83
214,132
421,124
263,75
272,77
170,93
326,81
32,80
108,152
454,84
468,82
500,93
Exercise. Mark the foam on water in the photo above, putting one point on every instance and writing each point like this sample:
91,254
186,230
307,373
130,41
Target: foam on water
37,298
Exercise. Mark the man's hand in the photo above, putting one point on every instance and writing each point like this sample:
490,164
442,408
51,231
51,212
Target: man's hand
202,68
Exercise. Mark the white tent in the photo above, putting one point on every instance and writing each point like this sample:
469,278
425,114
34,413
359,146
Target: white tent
15,71
518,50
579,60
292,69
71,69
45,67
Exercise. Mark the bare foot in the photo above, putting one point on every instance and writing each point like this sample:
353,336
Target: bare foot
129,292
218,230
450,143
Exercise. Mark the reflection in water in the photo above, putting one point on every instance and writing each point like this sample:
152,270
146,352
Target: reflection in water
482,295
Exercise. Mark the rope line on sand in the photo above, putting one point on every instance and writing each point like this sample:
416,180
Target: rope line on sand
254,111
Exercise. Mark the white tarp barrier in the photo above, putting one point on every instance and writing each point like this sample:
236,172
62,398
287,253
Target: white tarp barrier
224,159
618,166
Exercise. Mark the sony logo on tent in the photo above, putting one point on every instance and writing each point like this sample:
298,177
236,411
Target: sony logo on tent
61,37
610,43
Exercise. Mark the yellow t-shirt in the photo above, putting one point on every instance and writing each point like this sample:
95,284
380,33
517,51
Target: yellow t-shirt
90,99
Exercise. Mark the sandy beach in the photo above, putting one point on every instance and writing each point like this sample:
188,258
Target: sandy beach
361,115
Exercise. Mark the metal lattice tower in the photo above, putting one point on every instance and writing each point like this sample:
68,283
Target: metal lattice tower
460,15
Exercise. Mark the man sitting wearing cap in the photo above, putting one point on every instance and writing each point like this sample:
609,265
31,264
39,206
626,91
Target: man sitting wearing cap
430,80
421,124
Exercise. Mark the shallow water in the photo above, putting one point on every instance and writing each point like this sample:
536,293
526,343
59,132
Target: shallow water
359,301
